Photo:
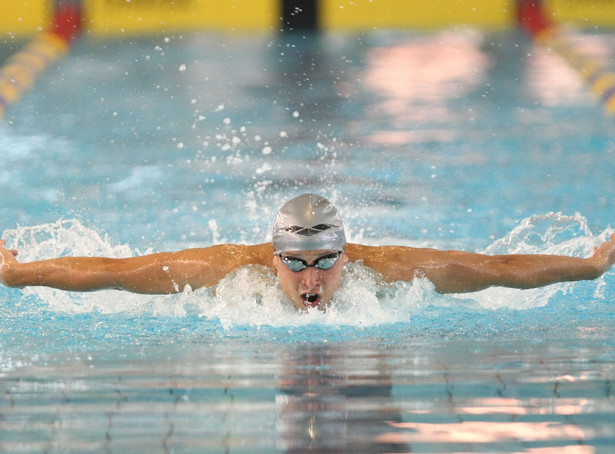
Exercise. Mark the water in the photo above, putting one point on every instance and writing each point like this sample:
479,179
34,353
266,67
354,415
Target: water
458,139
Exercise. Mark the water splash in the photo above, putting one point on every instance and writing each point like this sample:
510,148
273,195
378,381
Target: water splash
61,238
550,233
253,297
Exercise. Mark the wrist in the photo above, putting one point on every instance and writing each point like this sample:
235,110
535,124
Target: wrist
11,276
598,267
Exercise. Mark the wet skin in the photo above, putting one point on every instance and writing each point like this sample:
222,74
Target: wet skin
311,287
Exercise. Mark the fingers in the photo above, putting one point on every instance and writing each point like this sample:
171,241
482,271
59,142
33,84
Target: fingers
607,250
10,251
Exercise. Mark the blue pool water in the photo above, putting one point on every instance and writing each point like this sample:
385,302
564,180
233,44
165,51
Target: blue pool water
459,139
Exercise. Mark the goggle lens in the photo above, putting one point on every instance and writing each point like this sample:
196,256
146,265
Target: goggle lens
326,262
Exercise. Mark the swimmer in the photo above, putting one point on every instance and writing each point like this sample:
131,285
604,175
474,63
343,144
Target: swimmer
308,253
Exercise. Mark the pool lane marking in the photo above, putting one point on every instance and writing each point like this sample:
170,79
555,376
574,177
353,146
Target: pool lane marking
593,70
21,69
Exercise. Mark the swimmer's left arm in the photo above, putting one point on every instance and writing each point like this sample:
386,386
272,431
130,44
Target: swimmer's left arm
458,272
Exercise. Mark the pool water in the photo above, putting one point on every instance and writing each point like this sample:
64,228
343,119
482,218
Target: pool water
457,139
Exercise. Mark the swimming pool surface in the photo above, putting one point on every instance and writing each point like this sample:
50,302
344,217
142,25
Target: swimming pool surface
459,139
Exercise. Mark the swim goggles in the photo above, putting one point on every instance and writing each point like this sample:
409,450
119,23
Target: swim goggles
326,262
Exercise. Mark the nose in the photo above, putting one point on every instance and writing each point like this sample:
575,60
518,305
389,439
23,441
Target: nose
310,277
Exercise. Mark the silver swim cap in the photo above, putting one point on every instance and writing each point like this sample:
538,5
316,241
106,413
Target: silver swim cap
308,223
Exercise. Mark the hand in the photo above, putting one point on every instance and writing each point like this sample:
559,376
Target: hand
604,255
7,258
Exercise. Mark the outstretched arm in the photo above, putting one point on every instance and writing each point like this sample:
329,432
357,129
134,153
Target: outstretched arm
457,272
167,272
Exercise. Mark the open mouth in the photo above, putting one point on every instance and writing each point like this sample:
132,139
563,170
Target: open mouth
310,299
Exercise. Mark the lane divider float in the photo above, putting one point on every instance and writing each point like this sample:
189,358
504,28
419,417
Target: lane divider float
21,69
593,70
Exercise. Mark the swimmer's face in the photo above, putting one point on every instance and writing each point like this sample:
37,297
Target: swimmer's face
311,287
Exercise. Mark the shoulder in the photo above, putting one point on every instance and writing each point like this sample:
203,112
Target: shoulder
370,253
231,255
205,267
356,252
393,262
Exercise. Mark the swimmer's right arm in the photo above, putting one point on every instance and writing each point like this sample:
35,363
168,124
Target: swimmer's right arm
166,272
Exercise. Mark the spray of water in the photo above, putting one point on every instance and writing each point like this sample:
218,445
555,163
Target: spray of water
252,296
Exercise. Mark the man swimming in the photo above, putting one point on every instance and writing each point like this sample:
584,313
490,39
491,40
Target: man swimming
308,253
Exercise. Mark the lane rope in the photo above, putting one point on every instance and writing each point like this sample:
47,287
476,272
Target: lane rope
593,70
21,70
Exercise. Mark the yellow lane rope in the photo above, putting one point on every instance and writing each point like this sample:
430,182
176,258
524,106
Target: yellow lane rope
22,69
